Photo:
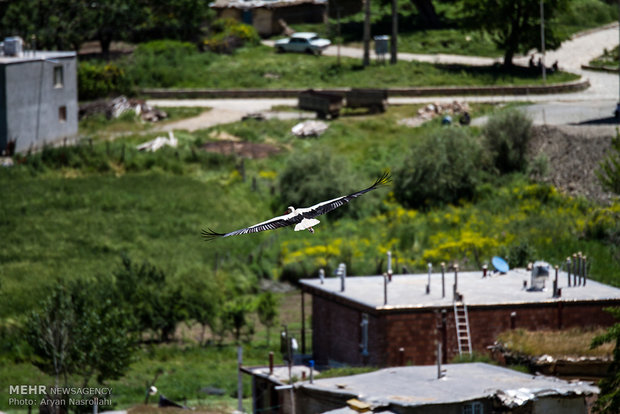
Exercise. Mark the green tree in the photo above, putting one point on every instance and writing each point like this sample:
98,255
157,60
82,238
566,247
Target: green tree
202,300
114,20
609,169
53,24
157,305
515,24
609,398
176,19
505,138
267,310
235,317
440,169
80,331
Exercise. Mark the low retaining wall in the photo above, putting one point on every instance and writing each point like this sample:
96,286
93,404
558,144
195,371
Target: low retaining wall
608,69
575,86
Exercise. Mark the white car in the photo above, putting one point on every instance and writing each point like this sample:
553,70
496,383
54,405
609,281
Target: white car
302,42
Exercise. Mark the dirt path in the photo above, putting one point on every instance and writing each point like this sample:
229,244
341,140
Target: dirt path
206,119
571,55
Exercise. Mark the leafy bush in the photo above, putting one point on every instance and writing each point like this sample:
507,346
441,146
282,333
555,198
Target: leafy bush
440,169
604,224
168,50
609,169
99,81
166,63
506,137
228,35
311,177
520,254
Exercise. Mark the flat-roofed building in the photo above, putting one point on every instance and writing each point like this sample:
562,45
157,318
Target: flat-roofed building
373,322
38,99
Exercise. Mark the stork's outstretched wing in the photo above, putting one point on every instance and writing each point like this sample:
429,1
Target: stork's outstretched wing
272,224
298,215
327,206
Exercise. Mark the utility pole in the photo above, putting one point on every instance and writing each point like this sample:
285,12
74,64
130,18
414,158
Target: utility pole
542,40
394,38
617,111
366,60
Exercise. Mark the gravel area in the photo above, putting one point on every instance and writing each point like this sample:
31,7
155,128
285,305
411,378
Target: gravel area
574,153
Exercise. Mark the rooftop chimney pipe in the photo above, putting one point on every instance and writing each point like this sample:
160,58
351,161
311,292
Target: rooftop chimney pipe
389,265
456,282
443,280
428,284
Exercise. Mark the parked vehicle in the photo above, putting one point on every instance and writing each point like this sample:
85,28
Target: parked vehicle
373,99
322,103
302,42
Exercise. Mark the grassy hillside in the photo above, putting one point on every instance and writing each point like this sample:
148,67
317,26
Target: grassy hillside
70,213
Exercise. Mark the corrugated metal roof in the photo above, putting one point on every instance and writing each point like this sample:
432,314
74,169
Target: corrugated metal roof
418,385
251,4
31,56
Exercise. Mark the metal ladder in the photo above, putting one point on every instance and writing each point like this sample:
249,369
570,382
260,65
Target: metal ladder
461,320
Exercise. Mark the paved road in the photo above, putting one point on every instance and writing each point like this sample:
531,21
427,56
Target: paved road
597,101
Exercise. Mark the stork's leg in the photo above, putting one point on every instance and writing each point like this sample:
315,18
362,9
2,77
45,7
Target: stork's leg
311,230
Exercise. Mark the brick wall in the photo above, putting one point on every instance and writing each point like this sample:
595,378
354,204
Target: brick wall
337,332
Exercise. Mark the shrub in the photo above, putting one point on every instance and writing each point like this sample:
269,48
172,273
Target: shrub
315,176
168,50
99,81
228,35
519,255
506,137
609,169
440,169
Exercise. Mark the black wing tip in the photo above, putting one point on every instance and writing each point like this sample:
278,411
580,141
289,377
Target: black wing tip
385,179
209,234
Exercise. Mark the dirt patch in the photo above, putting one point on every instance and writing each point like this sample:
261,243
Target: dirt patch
574,153
243,149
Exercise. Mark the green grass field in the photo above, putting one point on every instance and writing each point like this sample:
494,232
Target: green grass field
262,67
452,38
71,213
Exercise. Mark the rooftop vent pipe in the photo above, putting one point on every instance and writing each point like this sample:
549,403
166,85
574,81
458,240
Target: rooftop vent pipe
385,283
389,265
443,280
428,284
322,275
342,272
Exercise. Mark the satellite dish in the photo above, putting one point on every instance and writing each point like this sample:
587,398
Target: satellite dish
500,264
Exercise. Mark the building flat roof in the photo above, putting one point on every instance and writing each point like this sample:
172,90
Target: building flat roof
409,291
419,385
29,55
280,373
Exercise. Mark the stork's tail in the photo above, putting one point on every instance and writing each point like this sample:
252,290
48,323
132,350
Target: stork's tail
306,224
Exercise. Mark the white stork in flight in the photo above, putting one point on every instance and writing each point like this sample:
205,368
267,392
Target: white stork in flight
303,218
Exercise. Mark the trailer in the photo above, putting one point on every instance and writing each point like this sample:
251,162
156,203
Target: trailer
322,103
373,99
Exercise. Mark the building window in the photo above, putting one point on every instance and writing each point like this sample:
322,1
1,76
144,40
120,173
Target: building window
58,77
364,325
473,408
62,114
